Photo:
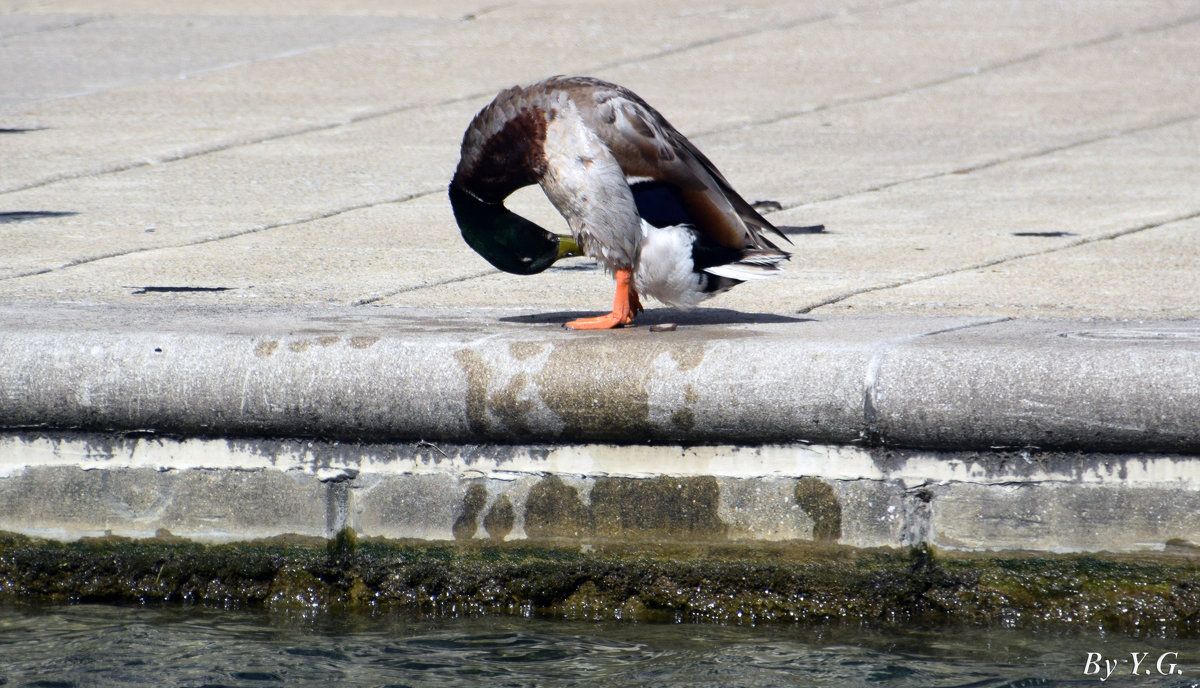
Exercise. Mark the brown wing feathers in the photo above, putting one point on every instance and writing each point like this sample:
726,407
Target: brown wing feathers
646,145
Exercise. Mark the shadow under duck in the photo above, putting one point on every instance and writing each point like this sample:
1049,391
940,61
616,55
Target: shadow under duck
636,194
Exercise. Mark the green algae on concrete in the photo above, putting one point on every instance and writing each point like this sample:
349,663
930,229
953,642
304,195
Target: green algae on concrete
732,583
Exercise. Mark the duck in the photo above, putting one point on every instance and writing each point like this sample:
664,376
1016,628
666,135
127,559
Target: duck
637,196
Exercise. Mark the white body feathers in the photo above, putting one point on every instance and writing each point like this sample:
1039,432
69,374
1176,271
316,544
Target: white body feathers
587,185
665,268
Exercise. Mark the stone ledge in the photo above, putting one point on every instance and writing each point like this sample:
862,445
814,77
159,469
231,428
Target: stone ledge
388,374
68,485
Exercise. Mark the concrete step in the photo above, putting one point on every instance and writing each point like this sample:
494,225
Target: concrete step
226,424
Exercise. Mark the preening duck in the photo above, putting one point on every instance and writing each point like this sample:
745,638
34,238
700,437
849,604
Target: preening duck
637,196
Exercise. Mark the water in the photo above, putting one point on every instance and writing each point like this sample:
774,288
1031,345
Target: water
96,645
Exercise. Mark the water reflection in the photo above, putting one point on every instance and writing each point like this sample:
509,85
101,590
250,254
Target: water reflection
194,647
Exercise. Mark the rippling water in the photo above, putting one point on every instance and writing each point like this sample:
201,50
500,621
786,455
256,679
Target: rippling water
98,645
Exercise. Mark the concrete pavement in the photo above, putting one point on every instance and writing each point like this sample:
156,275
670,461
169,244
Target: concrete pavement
976,160
1011,261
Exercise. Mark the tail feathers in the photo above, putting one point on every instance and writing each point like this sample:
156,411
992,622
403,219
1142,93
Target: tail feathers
754,264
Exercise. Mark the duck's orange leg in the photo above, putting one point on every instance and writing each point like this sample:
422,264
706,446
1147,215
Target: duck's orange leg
625,305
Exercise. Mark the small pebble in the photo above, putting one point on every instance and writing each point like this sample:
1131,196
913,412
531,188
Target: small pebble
663,327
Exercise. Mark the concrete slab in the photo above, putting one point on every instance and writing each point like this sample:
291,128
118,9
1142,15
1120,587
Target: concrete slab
305,262
228,193
446,9
13,24
376,75
1148,274
862,56
1148,188
167,120
349,163
1020,110
215,506
108,51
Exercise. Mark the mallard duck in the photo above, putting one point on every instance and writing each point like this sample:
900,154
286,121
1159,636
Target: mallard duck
637,196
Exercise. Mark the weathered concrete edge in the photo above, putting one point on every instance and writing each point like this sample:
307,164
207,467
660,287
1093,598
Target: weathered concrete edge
68,486
460,376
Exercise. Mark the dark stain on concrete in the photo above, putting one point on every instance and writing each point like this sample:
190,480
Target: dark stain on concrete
688,356
1025,463
266,348
675,508
818,500
501,414
554,509
337,505
524,350
513,411
689,395
498,522
340,455
468,518
683,419
684,507
476,370
598,390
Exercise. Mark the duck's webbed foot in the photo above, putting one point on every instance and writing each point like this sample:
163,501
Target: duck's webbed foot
601,322
625,306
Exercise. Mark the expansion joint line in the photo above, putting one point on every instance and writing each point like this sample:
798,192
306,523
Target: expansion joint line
754,31
997,162
417,287
220,147
228,235
1106,236
50,29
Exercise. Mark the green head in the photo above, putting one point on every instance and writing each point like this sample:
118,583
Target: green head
505,239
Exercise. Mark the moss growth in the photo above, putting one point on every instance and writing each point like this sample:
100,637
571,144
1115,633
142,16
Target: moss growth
728,583
344,544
